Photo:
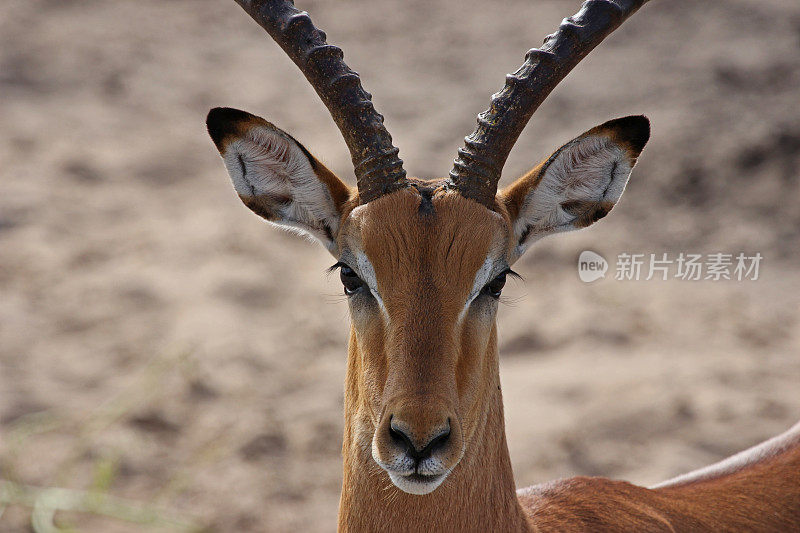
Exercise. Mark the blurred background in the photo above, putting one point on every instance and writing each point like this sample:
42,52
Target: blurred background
169,362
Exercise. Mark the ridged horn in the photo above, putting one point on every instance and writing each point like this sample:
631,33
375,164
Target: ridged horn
378,168
479,164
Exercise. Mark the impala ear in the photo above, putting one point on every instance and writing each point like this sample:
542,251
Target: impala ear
276,177
577,185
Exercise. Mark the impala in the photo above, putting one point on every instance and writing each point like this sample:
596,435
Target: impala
423,263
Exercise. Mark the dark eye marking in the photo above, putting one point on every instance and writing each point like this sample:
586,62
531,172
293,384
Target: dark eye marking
495,287
350,280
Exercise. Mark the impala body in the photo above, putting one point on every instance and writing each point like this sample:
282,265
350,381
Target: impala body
423,263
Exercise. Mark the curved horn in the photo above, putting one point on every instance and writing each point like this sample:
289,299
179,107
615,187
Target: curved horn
479,164
378,168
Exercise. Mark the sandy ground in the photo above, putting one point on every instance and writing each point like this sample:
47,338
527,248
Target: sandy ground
158,343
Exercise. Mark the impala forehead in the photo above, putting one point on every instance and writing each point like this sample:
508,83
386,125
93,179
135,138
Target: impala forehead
430,241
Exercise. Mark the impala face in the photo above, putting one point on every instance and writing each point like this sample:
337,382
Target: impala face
423,290
423,267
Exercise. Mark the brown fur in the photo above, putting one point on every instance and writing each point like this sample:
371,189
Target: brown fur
762,493
513,197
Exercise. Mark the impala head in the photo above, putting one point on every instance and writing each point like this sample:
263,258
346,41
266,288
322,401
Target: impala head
423,262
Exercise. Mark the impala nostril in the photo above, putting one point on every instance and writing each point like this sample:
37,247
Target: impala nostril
401,438
437,442
440,440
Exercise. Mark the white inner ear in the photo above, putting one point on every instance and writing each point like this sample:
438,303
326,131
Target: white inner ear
265,163
591,169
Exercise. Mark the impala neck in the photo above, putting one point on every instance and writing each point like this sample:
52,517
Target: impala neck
479,494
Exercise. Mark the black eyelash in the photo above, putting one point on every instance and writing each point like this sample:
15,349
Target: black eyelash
509,272
338,264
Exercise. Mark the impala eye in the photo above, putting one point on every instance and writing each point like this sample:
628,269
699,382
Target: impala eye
495,287
352,283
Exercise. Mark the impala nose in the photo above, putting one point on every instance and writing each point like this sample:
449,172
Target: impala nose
400,434
415,448
418,442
